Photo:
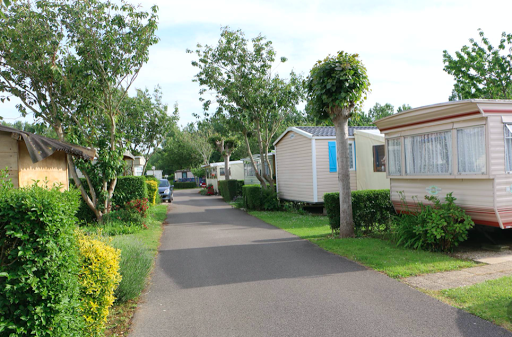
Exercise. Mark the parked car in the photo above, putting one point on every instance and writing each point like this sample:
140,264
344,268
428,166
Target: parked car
165,189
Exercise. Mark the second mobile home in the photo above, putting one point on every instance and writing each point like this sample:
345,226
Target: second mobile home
464,147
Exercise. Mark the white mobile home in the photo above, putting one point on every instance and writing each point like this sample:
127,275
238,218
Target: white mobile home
464,147
306,162
216,172
250,175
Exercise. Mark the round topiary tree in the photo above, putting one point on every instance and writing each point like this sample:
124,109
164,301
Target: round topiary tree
335,86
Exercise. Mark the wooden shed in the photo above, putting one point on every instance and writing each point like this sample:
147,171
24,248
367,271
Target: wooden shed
464,147
306,164
29,157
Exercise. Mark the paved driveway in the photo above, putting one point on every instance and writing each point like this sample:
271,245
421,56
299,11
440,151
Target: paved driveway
221,272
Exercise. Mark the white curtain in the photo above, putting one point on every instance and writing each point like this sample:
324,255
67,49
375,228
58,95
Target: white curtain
429,153
471,150
394,161
508,147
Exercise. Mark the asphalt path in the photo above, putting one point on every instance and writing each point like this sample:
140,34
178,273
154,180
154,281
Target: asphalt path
221,272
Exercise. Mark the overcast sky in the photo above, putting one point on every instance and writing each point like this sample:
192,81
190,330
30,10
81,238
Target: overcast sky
400,42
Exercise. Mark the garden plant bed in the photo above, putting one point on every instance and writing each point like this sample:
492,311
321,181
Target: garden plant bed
379,254
120,314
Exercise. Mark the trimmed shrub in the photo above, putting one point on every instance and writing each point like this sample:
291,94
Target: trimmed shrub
129,188
178,185
436,227
136,263
372,211
239,185
252,197
99,277
227,189
152,187
269,201
39,289
138,206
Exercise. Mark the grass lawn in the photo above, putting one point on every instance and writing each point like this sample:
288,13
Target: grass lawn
490,300
377,254
120,314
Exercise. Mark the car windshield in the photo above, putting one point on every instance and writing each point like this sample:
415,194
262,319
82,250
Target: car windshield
164,183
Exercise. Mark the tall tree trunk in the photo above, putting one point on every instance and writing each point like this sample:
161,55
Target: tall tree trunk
346,220
226,164
258,175
266,162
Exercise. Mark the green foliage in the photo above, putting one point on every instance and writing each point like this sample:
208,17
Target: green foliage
203,191
39,291
146,123
250,98
136,263
252,197
337,82
130,188
99,277
239,185
178,185
379,111
152,187
436,227
122,221
199,172
481,71
71,60
269,200
371,210
227,189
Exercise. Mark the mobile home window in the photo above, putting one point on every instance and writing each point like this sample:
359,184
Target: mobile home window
333,163
508,147
395,157
429,153
471,150
249,169
378,158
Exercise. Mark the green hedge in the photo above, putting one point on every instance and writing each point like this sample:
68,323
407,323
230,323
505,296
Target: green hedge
178,185
227,189
371,210
239,185
129,188
252,196
39,289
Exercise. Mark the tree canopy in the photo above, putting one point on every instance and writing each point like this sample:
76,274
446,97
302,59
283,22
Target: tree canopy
481,70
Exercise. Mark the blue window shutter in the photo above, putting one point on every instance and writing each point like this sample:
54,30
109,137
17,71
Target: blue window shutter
355,155
332,157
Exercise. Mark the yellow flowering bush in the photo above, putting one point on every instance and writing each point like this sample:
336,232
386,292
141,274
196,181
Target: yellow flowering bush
152,190
98,277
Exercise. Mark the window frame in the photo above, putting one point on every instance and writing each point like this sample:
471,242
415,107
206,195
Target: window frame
450,149
375,149
401,173
458,154
508,163
351,147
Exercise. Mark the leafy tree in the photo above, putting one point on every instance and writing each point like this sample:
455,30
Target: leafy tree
359,118
38,129
403,107
481,70
336,85
67,61
146,122
225,146
249,97
199,139
379,111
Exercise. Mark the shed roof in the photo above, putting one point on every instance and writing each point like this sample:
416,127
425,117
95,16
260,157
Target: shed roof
40,147
322,131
